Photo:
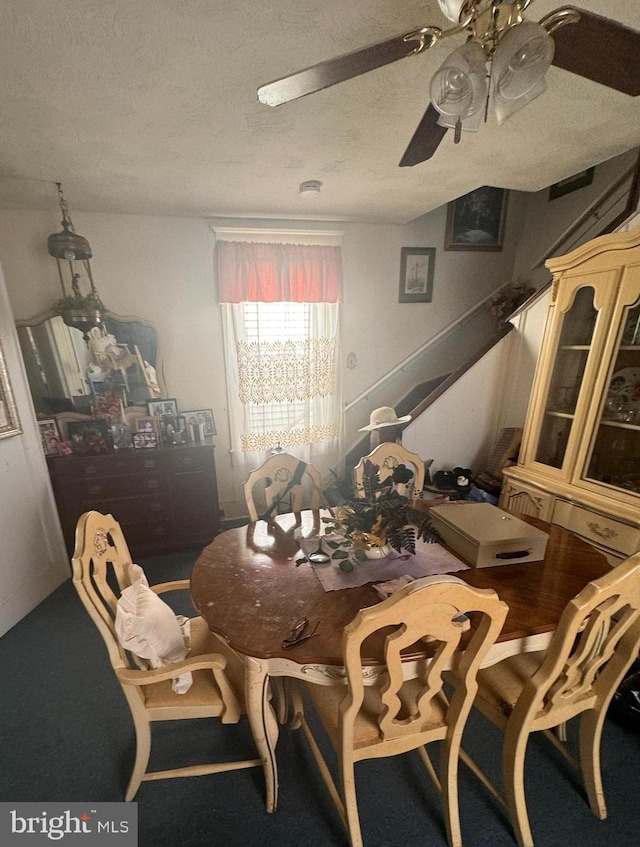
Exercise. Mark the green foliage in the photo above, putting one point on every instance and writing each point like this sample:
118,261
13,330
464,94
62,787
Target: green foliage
378,511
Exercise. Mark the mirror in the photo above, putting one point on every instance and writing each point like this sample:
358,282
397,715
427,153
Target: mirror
68,374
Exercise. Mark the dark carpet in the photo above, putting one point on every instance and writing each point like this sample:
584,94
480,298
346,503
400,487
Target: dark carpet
66,735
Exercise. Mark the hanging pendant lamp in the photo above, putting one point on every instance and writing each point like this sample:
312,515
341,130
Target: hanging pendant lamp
83,311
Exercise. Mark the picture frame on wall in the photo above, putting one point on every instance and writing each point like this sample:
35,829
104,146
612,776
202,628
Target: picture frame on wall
476,221
9,422
571,183
416,274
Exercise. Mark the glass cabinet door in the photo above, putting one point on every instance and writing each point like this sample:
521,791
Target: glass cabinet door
614,457
576,335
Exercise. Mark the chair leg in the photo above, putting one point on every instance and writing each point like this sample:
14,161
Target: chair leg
279,684
350,801
143,751
591,723
449,792
513,757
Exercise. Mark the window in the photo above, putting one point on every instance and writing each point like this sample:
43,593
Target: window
280,307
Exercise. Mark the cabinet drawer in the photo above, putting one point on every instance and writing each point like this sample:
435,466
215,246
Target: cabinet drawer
188,460
601,530
145,535
133,509
521,499
122,486
124,462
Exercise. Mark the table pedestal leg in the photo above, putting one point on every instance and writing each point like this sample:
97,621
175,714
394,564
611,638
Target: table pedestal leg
264,725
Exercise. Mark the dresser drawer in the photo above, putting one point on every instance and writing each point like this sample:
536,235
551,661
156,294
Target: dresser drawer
197,459
601,530
123,462
144,536
132,509
98,488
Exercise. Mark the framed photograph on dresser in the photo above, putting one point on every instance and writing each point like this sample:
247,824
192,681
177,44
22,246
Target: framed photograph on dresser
49,436
156,408
199,422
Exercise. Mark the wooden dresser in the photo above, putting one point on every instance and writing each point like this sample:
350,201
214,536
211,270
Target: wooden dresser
165,499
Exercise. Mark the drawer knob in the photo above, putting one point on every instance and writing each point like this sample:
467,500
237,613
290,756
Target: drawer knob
150,463
153,483
90,469
156,507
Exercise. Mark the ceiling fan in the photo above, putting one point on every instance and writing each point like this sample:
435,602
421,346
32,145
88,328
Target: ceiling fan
499,69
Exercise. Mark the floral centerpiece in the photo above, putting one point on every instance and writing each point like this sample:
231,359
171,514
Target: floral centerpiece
374,518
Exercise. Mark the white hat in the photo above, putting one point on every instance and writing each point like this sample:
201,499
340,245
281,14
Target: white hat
384,416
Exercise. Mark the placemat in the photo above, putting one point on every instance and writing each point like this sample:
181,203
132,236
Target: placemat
428,559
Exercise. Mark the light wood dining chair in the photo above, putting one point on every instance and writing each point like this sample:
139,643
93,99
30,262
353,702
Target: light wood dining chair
398,715
288,485
388,456
596,641
101,572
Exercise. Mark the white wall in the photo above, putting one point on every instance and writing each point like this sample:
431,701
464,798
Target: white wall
459,427
546,220
33,560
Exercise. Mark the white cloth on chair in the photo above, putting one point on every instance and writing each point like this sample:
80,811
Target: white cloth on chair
149,628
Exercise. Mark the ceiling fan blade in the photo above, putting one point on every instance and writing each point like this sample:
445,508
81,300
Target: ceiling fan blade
426,139
339,69
600,49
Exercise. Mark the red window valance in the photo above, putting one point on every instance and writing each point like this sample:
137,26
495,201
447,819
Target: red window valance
268,273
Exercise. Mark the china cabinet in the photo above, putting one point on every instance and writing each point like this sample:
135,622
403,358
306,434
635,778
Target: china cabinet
579,463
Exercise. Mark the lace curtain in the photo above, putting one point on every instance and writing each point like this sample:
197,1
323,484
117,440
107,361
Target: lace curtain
280,311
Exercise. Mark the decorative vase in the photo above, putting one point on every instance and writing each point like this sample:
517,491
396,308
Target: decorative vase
377,552
371,545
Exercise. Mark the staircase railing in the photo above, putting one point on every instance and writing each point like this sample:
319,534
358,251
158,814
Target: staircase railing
587,226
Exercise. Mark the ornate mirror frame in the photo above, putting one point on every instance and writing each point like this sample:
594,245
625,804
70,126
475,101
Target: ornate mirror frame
138,347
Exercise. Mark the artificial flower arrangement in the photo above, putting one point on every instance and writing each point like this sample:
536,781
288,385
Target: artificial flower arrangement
374,517
509,299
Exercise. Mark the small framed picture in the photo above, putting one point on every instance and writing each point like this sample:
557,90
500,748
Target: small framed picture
92,436
199,424
156,408
146,434
571,183
49,436
476,220
416,274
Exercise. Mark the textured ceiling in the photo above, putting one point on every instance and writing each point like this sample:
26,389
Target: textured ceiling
149,107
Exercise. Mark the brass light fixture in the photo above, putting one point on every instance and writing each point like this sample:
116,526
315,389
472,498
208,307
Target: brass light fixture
79,310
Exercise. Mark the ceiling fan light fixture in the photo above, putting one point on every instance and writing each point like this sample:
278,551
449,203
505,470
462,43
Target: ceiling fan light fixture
504,108
459,88
521,60
451,9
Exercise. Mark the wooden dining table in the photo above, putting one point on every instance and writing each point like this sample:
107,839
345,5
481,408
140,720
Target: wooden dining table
251,590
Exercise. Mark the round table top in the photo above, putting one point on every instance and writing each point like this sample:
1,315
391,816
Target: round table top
246,585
